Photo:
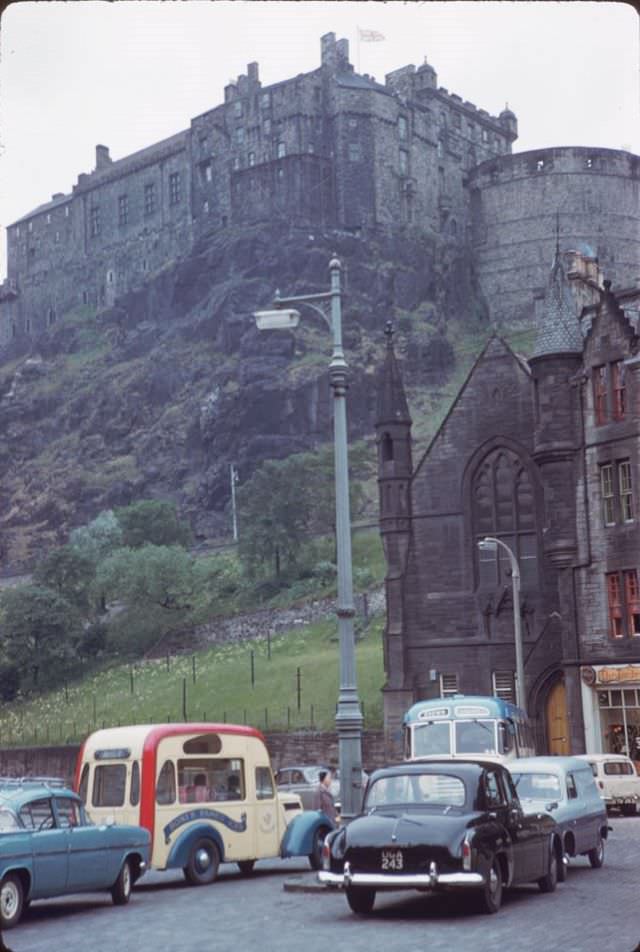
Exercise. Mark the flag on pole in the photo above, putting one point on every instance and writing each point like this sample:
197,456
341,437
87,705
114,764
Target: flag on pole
370,36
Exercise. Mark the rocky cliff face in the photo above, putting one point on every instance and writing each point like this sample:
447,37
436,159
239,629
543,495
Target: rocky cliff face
156,396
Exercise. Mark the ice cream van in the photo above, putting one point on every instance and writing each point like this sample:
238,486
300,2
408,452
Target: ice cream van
205,792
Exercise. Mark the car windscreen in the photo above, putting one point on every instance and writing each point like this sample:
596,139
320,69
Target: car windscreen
475,737
8,821
433,789
537,786
432,737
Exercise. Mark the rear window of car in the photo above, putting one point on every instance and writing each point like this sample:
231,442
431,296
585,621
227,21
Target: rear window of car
431,789
616,768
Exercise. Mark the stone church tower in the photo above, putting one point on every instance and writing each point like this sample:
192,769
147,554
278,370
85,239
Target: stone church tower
543,454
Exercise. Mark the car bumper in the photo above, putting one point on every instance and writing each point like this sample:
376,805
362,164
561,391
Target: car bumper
430,880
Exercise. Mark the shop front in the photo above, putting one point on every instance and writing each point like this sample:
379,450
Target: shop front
611,707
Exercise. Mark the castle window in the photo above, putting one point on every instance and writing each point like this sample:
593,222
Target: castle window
235,163
448,685
265,100
281,150
30,226
503,506
57,237
205,207
252,159
440,149
617,384
48,218
280,173
402,127
123,209
404,162
588,163
503,685
626,490
624,603
353,123
266,127
51,316
203,142
17,231
354,152
457,122
149,198
240,135
600,394
606,492
94,221
237,108
485,135
386,448
174,188
67,211
540,165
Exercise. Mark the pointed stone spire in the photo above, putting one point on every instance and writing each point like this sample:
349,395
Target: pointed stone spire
559,328
392,402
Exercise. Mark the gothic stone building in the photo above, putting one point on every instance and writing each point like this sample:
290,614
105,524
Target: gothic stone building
543,454
325,149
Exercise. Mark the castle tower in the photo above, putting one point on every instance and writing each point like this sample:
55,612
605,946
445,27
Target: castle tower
395,469
556,361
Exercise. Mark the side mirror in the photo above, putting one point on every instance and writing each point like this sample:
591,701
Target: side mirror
551,806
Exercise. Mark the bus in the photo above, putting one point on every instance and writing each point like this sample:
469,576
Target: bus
206,793
467,726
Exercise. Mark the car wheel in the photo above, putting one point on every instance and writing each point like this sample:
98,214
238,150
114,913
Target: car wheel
563,866
549,881
361,899
629,809
121,889
203,864
490,896
11,900
596,855
315,856
246,866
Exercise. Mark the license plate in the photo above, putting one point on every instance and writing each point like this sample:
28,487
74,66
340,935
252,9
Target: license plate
392,860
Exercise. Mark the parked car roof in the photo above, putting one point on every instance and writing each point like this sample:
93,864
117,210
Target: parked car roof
18,791
599,757
547,764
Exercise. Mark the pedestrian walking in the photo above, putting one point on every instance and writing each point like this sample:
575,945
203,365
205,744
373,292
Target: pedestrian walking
323,798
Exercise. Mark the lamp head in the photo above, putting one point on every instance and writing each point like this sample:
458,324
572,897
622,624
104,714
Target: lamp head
284,319
488,545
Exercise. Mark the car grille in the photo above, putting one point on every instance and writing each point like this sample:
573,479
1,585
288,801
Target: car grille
415,859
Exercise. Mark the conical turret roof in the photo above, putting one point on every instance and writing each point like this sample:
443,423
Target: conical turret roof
392,402
559,329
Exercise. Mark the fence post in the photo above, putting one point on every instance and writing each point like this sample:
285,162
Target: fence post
184,699
312,717
193,666
253,669
131,676
266,719
288,718
298,688
269,644
168,662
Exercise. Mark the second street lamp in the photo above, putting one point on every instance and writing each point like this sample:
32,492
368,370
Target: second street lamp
349,713
490,544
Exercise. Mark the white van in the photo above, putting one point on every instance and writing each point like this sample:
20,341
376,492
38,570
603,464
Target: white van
617,780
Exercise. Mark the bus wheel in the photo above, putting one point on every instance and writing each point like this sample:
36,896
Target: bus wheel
203,864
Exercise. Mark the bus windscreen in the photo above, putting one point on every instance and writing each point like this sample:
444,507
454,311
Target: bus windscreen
431,737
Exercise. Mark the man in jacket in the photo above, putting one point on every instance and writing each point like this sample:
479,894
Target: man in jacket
323,798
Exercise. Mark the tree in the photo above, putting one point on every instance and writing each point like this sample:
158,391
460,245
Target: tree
39,631
99,538
69,572
161,576
152,521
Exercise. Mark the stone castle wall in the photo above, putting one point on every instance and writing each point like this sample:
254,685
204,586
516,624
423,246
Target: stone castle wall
328,148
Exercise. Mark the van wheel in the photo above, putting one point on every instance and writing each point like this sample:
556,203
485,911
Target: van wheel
490,896
596,855
121,889
11,900
246,866
315,856
203,864
549,881
361,899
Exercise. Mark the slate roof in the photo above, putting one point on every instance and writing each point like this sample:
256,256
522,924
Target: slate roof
559,329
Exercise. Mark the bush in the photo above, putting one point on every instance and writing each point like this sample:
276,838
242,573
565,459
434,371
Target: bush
9,681
325,572
94,640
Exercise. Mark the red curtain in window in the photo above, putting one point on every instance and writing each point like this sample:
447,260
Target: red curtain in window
617,379
632,597
615,606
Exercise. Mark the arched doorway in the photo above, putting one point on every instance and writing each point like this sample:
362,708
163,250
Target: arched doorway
558,735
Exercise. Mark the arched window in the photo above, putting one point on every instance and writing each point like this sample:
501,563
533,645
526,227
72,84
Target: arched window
503,506
387,448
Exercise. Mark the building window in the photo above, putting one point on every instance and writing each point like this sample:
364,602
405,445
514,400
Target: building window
57,238
402,128
600,394
617,384
540,165
448,685
503,685
252,159
354,152
503,505
626,490
457,122
632,599
205,207
280,173
240,135
123,209
485,135
237,108
266,127
616,628
404,162
30,226
67,211
51,316
206,172
94,221
280,150
48,218
265,100
174,188
149,198
606,491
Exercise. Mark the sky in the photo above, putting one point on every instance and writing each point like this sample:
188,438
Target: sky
128,73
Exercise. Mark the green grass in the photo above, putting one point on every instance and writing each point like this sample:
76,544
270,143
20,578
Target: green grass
152,691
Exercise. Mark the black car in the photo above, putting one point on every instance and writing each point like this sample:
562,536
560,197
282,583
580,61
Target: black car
441,825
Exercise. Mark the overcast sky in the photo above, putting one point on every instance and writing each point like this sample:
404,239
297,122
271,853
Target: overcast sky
129,73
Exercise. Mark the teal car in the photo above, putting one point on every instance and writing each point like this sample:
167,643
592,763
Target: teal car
49,847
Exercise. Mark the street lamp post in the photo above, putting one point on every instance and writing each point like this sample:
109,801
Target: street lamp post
349,713
490,544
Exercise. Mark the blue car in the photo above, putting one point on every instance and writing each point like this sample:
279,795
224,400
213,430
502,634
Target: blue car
563,787
49,847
